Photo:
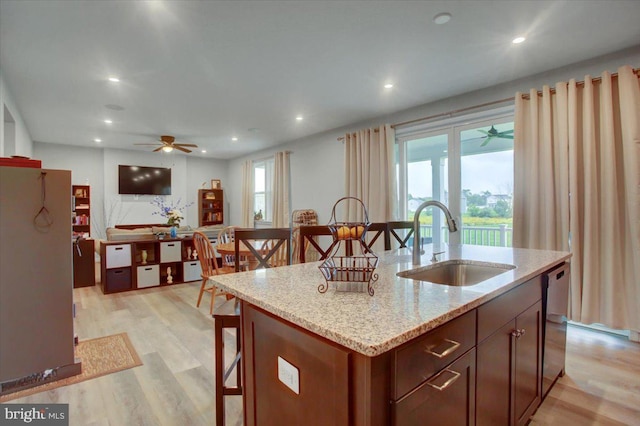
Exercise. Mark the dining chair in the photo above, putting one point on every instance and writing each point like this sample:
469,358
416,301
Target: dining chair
374,232
209,266
308,242
265,246
227,236
398,226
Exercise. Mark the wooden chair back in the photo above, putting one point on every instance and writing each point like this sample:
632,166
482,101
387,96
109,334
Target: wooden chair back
227,235
270,252
397,226
206,254
307,242
374,232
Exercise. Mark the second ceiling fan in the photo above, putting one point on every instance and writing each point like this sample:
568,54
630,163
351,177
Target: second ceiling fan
168,143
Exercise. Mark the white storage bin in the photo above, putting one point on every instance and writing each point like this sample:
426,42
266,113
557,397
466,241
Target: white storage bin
148,276
170,251
118,256
192,271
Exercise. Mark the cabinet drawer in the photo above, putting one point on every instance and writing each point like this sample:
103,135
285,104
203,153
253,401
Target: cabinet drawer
447,398
118,256
118,279
497,312
170,251
426,355
148,276
192,271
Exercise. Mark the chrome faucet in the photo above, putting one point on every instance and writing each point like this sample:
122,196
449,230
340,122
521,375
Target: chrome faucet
416,226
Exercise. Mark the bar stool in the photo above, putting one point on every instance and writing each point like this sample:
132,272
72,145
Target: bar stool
227,316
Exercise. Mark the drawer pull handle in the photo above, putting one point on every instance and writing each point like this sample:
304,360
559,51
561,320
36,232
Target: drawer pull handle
454,345
118,248
148,269
171,245
446,384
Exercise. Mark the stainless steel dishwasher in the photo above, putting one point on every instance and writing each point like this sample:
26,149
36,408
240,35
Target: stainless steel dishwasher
555,299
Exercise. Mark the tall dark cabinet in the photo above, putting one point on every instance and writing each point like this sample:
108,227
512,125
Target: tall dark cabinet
36,294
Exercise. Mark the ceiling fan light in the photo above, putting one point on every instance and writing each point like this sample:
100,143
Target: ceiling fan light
167,148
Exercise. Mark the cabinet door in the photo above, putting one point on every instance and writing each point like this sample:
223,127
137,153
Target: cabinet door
493,377
509,370
447,399
528,355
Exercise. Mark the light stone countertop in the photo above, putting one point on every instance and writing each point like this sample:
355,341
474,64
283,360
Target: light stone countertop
401,308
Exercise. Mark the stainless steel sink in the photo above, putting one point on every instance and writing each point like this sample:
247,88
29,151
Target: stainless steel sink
457,272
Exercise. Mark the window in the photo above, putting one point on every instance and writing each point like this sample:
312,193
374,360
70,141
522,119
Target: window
467,164
263,190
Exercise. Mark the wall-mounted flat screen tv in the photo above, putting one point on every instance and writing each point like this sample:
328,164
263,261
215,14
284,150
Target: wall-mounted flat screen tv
140,180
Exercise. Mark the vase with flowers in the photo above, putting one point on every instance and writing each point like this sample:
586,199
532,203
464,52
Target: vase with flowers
172,212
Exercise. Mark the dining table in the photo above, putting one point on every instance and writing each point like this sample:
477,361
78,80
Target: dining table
229,249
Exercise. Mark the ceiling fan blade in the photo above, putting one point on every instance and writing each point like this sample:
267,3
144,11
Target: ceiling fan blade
185,144
488,138
178,147
158,149
507,131
146,144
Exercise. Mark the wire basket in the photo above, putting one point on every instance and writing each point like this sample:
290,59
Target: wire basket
349,273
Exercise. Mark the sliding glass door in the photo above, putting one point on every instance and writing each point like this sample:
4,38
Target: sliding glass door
469,167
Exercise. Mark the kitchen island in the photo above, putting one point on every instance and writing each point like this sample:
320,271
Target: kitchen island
351,358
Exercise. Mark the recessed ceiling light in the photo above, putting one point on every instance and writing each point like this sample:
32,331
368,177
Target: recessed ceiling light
388,86
108,121
114,79
299,118
442,18
518,40
234,139
204,151
97,140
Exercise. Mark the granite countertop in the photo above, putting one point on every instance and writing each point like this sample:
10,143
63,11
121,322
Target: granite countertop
401,308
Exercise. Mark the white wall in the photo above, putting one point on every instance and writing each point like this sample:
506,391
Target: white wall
20,142
317,170
99,168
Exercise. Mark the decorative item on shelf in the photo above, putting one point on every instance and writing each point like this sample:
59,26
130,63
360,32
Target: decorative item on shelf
169,277
258,216
195,254
174,232
188,252
216,184
351,272
143,256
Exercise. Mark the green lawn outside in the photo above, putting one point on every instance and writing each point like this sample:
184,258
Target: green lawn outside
488,238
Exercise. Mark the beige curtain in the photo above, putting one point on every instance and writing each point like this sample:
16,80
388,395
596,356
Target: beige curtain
247,194
577,187
281,190
370,173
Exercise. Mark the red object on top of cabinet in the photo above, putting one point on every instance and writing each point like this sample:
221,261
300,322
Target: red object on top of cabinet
20,162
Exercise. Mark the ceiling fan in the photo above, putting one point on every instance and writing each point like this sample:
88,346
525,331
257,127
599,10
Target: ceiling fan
167,144
493,133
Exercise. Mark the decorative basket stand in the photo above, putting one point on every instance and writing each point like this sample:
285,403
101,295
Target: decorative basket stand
355,270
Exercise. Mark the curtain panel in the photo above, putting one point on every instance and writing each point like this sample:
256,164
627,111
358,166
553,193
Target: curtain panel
577,188
247,194
370,173
281,190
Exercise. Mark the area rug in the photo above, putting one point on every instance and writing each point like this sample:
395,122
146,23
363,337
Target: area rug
100,356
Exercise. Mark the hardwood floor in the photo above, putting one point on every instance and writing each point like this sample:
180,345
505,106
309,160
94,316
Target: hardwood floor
175,386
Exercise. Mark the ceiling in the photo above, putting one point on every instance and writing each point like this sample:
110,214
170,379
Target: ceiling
207,71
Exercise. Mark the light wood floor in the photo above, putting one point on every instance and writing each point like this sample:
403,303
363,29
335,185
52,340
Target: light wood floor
175,386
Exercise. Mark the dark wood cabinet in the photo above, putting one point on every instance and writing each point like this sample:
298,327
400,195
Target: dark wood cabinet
322,394
509,363
84,264
81,205
210,207
446,399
